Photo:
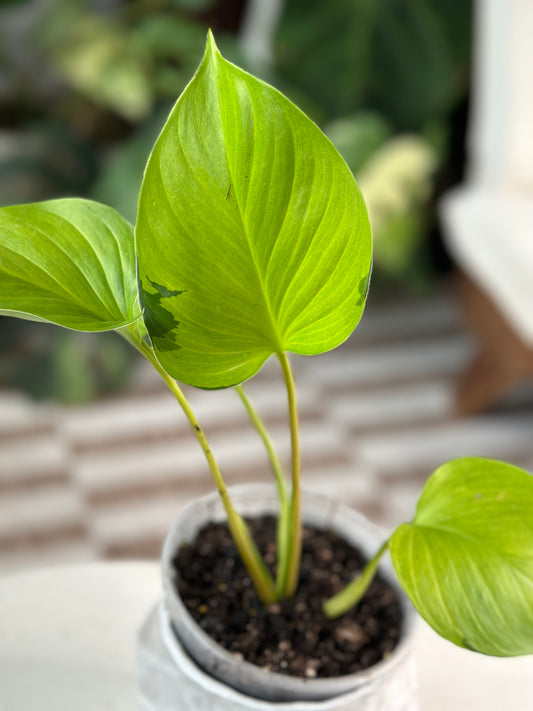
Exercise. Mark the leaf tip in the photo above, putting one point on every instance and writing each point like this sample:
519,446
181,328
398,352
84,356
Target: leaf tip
211,48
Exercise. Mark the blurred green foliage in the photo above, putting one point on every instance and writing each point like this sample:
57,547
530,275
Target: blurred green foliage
406,59
49,362
85,86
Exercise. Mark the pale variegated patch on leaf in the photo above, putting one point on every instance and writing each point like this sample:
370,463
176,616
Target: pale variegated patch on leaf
252,235
70,262
466,561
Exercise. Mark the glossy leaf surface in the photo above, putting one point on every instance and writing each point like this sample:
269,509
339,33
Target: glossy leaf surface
252,235
466,561
70,262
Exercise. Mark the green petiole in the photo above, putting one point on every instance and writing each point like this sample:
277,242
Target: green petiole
282,548
288,576
259,574
352,593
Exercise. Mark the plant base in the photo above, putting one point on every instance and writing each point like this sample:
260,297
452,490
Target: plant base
321,513
291,637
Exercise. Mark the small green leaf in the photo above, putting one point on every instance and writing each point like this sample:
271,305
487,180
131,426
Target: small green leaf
252,235
70,262
466,561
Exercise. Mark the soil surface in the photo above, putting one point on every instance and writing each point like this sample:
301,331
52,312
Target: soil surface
290,637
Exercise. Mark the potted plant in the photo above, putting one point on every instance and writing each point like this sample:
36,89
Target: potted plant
252,240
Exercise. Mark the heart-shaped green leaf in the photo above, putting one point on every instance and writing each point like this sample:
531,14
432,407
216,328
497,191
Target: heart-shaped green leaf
252,235
70,262
466,561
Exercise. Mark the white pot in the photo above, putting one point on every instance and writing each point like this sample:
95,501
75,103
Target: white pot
177,657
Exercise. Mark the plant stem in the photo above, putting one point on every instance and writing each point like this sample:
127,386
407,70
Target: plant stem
259,574
289,577
354,591
261,429
282,548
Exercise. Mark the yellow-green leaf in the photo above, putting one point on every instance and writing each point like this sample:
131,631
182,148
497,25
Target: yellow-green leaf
466,561
252,235
70,262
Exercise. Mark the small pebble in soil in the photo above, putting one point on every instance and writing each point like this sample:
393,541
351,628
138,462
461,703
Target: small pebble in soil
292,636
350,637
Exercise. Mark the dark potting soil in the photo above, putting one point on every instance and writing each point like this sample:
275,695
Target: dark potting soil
290,637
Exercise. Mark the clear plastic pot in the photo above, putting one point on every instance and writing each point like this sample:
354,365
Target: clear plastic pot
201,666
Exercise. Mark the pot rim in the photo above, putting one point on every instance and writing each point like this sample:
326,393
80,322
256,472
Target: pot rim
292,687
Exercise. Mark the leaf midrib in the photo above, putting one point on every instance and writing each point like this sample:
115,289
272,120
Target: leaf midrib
273,322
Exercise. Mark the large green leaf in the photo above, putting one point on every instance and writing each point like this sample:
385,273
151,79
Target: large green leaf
467,559
70,262
252,235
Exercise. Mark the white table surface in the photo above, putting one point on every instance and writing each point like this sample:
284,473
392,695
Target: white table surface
67,643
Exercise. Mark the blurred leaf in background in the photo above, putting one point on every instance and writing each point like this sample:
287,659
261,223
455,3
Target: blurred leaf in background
174,44
40,160
101,60
47,362
418,74
397,184
120,177
406,59
358,137
395,174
